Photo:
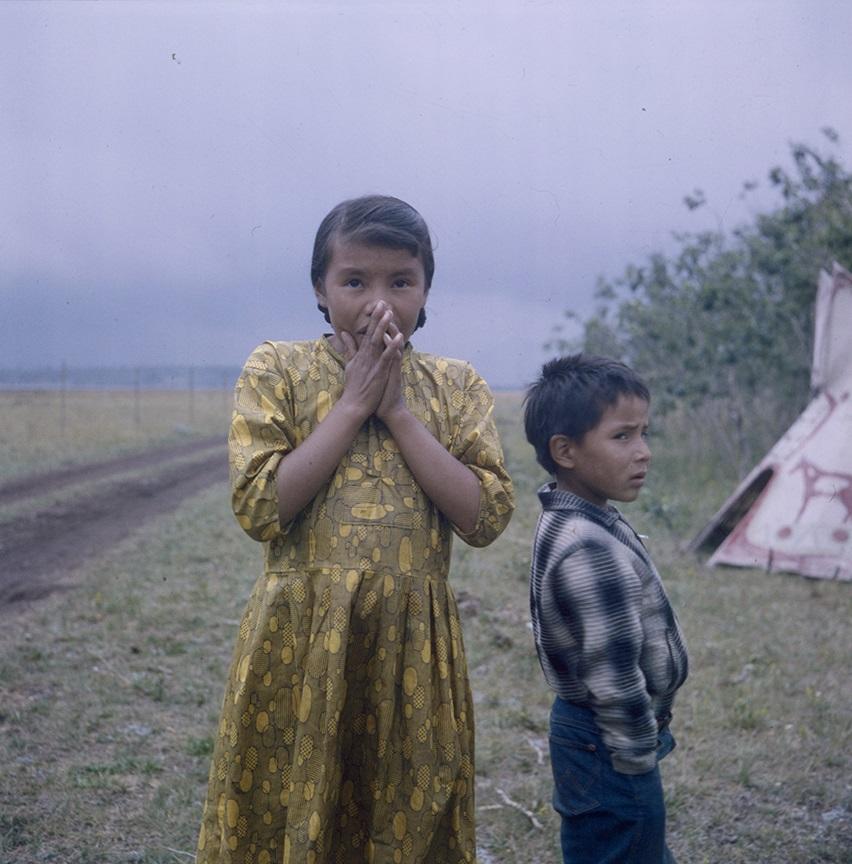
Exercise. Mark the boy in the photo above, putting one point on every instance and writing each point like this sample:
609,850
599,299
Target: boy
607,639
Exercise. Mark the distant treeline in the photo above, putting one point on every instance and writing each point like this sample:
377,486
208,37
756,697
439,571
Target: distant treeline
120,378
723,329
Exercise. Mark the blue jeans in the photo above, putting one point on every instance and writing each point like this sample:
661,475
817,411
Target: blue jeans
607,817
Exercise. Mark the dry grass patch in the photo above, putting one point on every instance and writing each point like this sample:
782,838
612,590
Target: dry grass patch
99,424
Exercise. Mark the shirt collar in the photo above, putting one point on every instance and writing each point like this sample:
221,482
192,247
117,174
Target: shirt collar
558,499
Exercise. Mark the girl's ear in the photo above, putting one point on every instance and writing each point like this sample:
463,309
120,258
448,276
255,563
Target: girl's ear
322,302
562,451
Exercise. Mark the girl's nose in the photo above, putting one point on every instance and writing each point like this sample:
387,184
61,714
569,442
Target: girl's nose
380,298
379,303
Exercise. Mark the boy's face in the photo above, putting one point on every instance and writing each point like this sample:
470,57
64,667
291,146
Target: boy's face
612,459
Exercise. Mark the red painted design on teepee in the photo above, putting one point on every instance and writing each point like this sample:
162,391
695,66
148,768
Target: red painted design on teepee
813,476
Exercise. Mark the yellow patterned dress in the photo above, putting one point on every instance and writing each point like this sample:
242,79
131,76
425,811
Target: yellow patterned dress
347,726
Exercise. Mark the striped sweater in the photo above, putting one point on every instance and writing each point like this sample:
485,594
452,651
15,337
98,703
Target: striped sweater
607,637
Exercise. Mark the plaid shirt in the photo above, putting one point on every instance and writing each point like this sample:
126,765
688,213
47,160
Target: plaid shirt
605,633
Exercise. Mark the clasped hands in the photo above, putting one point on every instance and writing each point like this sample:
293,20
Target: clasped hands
373,377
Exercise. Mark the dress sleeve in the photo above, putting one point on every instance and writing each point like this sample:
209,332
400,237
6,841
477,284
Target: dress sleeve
262,432
477,445
599,595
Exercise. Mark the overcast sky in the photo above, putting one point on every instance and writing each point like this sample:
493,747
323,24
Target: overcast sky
164,166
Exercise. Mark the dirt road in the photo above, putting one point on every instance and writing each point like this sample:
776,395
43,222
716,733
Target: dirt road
40,548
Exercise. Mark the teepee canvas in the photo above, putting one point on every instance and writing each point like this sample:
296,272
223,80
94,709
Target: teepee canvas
793,512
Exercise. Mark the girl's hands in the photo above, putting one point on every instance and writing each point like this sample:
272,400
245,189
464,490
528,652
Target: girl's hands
392,399
369,364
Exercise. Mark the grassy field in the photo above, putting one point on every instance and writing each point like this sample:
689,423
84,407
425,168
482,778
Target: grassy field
109,694
44,429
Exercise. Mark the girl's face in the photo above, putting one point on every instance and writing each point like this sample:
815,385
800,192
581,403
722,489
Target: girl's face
360,276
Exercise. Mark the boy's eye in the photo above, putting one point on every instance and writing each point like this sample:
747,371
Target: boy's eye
354,283
401,283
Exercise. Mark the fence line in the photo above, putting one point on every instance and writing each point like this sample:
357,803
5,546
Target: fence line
65,379
172,377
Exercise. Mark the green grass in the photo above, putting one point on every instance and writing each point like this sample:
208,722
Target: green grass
109,695
111,692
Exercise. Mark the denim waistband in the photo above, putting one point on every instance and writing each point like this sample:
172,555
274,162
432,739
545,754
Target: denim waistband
569,714
573,715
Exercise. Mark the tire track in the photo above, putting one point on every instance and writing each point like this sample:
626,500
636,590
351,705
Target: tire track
39,484
40,550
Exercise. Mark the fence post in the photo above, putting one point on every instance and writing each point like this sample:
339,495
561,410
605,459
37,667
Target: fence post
63,383
137,415
191,395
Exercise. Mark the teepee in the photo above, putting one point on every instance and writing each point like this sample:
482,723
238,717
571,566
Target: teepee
793,512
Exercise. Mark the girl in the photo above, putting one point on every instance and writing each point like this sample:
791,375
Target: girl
347,727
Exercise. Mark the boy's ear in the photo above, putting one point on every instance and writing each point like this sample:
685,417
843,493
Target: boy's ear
319,293
562,451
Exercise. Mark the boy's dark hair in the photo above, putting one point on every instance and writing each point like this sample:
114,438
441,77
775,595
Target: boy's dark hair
571,396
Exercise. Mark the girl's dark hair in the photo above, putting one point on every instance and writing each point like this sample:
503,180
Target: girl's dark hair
374,220
571,396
